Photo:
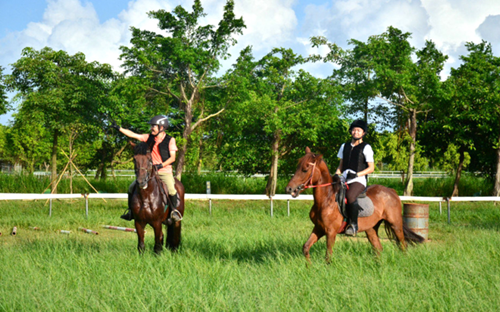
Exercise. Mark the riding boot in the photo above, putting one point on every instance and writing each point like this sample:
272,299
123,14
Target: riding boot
353,212
175,215
128,214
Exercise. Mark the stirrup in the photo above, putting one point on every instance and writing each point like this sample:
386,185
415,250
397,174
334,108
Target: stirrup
176,215
352,230
127,215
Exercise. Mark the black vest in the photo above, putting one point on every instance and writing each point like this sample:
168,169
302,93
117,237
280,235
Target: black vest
353,157
162,146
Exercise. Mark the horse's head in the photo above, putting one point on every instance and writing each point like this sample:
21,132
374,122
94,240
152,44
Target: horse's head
307,173
143,163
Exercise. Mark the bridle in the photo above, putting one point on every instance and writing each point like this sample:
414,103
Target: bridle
308,183
148,174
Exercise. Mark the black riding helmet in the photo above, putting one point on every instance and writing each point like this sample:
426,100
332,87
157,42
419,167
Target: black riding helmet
359,124
160,120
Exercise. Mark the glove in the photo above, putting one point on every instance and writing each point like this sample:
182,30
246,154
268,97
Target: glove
158,166
114,125
351,176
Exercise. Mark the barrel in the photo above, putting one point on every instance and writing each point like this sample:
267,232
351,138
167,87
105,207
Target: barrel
416,218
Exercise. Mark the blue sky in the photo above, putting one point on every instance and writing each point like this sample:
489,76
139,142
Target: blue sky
99,27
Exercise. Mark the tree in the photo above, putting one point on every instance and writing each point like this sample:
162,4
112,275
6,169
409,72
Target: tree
179,65
410,87
280,110
3,94
469,116
58,90
27,142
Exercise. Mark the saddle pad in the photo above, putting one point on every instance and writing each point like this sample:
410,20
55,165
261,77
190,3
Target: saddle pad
367,205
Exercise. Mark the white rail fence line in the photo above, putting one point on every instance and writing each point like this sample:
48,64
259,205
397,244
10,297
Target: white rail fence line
209,197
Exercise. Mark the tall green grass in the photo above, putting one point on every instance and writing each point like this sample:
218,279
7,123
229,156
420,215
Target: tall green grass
241,259
230,184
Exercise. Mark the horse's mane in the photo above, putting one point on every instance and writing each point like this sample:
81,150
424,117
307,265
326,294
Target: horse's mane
141,148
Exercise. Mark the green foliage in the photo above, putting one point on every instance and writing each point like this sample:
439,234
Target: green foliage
450,159
393,151
180,67
57,89
280,111
4,105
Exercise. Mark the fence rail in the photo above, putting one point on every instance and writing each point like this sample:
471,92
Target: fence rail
209,197
379,174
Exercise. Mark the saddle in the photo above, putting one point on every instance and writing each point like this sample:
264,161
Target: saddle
364,202
164,192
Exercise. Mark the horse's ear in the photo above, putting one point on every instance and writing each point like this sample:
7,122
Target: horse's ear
132,144
318,157
308,150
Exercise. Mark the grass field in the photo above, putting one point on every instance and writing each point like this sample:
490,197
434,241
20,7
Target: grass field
241,259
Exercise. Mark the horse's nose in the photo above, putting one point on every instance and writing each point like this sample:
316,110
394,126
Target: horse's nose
288,189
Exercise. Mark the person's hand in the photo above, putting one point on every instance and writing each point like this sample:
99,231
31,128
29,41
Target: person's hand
351,176
114,125
158,166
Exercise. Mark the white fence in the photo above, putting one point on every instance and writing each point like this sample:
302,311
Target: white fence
379,174
210,197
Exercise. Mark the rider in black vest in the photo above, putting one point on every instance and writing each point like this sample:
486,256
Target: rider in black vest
356,161
163,158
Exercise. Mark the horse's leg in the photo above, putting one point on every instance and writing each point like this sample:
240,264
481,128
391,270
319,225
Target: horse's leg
139,227
158,237
374,240
316,234
330,241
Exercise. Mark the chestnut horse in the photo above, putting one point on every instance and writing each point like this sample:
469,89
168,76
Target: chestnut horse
313,172
148,202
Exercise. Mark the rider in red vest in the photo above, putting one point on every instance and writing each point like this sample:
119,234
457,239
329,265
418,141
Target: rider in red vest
163,154
356,161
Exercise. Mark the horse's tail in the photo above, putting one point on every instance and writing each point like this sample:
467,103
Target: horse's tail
411,237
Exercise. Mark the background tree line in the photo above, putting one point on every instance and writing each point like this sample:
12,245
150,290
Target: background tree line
258,116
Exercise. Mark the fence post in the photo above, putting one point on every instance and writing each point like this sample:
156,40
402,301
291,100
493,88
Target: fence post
209,191
50,208
86,205
288,206
271,206
449,217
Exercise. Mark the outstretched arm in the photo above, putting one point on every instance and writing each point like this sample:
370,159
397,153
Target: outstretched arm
130,133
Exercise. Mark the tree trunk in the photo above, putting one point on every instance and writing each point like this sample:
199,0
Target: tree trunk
54,162
273,175
496,189
459,173
181,155
411,161
200,154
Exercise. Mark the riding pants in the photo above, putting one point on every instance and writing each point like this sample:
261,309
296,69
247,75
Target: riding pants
168,178
353,192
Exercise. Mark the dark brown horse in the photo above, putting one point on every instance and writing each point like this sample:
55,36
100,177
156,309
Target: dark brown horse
328,221
148,202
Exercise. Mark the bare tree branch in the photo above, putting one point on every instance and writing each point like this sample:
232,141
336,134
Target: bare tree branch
199,121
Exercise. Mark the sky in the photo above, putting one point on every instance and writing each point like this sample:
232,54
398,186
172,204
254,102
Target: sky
99,27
